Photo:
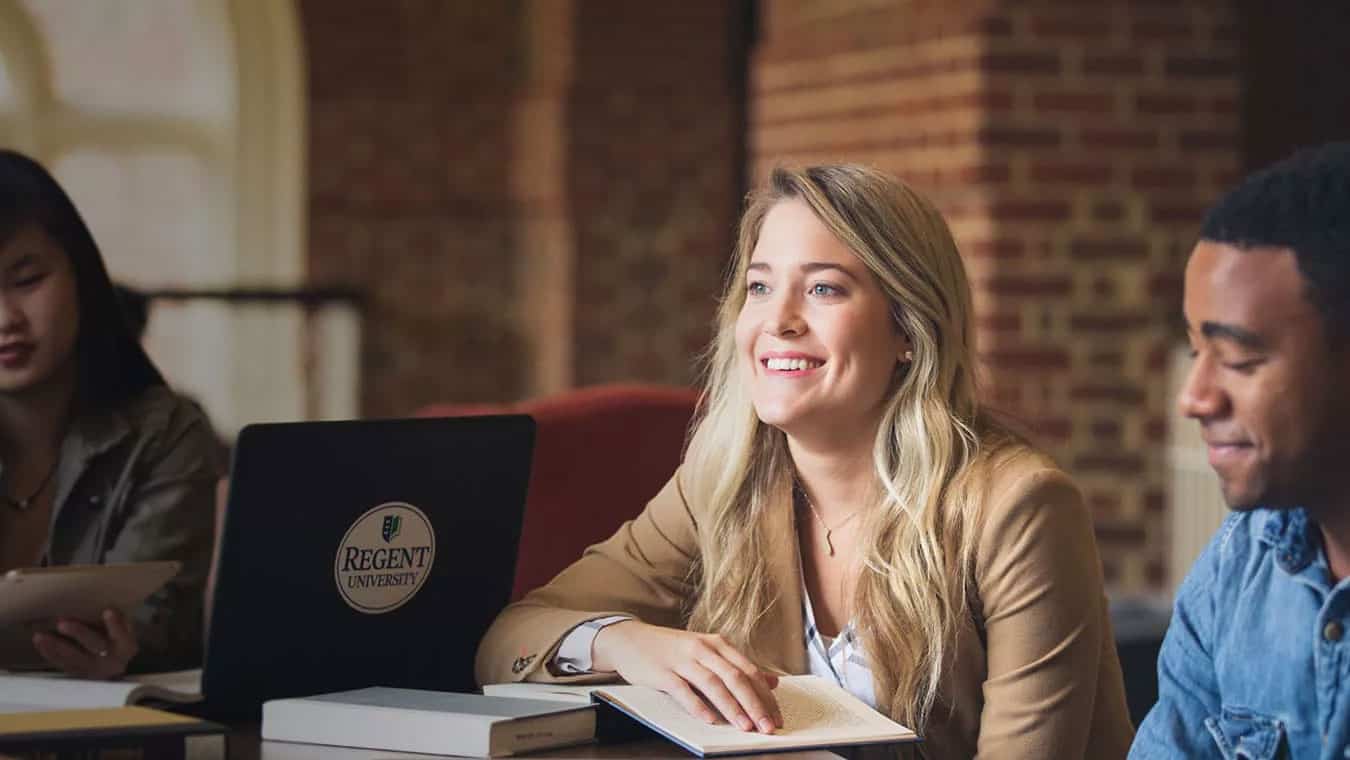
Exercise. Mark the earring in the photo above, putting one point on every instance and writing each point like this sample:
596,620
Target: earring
909,356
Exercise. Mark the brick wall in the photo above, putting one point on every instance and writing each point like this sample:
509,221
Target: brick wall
1073,149
409,131
534,194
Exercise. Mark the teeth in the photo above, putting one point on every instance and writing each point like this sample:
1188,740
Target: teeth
792,365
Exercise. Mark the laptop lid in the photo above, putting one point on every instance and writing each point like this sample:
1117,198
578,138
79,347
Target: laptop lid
363,553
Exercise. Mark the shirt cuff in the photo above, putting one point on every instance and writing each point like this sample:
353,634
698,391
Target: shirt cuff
574,654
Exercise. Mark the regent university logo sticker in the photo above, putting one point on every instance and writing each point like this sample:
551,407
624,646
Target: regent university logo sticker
385,558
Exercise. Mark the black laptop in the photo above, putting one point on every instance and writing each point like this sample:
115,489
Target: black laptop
364,553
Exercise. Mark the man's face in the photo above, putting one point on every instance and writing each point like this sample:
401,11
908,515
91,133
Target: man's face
1266,387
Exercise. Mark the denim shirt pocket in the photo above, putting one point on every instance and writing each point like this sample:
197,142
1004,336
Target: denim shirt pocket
1246,735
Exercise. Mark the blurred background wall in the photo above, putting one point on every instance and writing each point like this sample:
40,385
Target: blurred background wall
347,207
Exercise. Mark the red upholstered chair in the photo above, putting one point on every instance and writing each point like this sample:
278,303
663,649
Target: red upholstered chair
600,454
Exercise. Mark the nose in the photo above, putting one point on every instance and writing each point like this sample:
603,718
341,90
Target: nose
784,317
1201,397
11,316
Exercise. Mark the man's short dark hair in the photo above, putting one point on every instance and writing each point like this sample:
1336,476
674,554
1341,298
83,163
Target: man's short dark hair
1301,203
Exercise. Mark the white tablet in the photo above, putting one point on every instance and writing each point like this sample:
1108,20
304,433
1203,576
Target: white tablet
78,592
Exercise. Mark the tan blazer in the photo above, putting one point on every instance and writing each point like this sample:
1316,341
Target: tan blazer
1047,685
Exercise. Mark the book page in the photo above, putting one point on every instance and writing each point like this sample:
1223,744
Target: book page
551,691
37,693
173,686
815,713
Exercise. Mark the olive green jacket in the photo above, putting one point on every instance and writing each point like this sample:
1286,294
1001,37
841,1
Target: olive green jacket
133,484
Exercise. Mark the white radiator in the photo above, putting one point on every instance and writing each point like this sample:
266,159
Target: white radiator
1196,507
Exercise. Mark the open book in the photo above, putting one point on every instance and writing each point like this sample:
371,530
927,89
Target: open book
34,692
816,713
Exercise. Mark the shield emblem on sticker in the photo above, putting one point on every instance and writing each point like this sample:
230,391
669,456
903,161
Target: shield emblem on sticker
391,527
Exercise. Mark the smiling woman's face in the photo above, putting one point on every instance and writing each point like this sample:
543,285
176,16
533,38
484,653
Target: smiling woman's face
39,310
817,343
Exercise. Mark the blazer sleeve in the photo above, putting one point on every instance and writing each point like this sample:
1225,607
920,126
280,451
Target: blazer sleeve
1039,583
169,514
643,570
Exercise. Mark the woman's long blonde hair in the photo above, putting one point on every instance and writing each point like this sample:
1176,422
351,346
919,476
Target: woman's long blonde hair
919,541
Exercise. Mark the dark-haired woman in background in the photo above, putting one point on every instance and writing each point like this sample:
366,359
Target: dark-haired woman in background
99,461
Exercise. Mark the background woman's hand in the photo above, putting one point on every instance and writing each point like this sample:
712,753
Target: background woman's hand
87,651
697,670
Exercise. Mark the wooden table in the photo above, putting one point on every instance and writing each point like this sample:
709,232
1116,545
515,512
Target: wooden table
245,744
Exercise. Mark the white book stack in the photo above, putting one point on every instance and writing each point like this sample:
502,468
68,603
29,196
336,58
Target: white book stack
431,722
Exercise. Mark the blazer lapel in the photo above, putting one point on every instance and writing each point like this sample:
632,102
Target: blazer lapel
779,635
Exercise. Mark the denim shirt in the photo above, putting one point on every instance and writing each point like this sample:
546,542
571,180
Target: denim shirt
1256,662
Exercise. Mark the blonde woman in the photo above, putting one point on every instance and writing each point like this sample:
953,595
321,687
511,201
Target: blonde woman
844,508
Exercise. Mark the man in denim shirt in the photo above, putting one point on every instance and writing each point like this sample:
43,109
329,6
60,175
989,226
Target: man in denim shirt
1256,663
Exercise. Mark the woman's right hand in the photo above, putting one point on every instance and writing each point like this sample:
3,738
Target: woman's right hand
696,669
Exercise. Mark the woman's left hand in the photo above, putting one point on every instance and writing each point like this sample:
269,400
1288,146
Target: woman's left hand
85,651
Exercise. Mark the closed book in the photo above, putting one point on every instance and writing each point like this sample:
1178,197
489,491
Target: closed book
432,722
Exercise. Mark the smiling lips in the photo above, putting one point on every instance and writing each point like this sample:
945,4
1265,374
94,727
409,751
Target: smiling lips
1225,452
14,355
790,363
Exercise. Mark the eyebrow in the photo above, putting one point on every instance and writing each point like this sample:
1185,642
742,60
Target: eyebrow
1221,331
810,267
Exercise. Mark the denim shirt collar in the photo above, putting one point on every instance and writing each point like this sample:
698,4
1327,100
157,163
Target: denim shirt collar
1291,534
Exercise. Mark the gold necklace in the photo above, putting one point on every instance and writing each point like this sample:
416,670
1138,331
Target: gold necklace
829,542
23,504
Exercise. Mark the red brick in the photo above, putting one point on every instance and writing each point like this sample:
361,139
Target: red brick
1074,102
1163,178
1113,250
1029,286
1108,211
1155,430
1051,428
1225,178
1018,137
1200,67
1155,573
1034,211
1224,106
1071,173
1112,360
1108,323
1113,64
995,26
1020,63
1122,393
1163,30
1121,463
1155,501
1161,104
1212,139
1107,431
1103,503
1003,248
1119,532
977,174
1120,139
1028,358
1110,566
1104,286
1173,213
1009,322
1071,28
1159,357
